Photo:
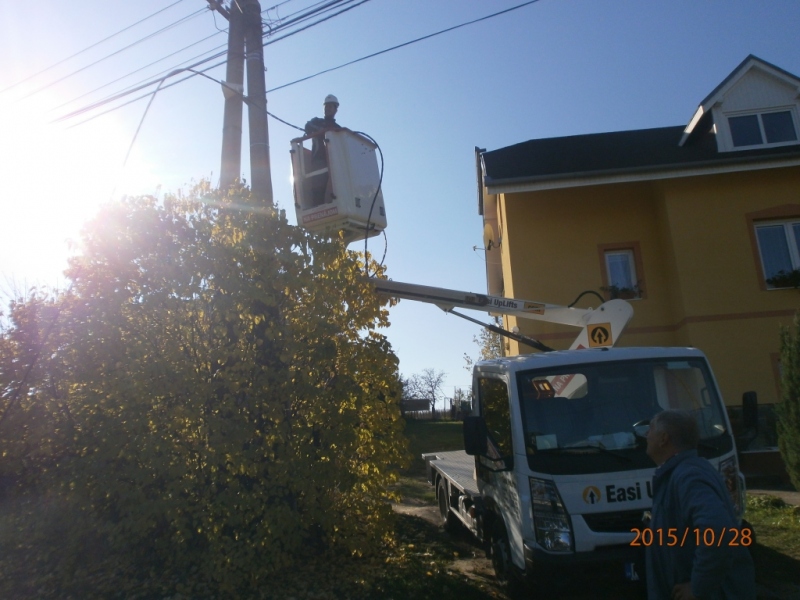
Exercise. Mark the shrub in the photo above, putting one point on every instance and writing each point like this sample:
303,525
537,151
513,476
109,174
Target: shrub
788,411
215,398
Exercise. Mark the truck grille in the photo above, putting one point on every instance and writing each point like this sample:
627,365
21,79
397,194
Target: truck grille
615,521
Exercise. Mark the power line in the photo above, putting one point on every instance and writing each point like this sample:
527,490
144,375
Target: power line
79,52
155,62
221,52
414,41
309,13
106,57
147,82
159,81
280,87
276,6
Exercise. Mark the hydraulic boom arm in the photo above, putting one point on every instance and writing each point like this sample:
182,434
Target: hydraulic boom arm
600,327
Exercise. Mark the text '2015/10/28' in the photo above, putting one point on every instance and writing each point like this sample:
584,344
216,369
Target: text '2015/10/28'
700,537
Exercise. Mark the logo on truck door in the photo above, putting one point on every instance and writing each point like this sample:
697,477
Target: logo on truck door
592,495
600,335
616,493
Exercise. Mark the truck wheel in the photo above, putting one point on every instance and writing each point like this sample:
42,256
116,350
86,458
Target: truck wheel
504,570
447,518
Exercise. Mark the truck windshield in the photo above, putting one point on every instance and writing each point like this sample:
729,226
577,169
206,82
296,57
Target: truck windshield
604,405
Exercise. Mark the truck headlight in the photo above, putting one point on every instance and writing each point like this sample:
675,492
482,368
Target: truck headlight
550,519
729,469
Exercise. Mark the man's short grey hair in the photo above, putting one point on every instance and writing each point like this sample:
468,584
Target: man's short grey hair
680,425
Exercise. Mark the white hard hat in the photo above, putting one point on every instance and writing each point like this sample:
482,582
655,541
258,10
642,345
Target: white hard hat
331,99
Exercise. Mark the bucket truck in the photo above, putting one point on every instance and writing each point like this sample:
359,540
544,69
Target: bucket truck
554,473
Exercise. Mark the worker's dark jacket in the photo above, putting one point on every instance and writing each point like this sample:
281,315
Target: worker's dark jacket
316,125
690,496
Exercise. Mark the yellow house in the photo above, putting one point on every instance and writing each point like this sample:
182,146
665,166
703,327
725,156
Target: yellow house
698,225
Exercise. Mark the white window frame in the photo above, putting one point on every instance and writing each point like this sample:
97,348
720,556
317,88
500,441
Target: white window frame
631,268
792,110
791,242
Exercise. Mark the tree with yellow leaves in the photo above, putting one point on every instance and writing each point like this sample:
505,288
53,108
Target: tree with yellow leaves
217,394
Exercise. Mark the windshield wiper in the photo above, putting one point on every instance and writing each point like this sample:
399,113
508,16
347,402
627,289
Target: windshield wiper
583,446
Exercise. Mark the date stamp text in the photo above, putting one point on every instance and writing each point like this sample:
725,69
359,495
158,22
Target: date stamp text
699,537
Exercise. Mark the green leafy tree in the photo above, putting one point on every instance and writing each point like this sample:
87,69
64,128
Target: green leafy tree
218,397
490,346
788,412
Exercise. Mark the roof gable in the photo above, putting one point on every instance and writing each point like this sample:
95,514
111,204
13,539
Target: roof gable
706,145
754,85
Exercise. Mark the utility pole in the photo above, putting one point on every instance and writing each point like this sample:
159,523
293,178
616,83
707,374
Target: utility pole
245,33
260,175
231,167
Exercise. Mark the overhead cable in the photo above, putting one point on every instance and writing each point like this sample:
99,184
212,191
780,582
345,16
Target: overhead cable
79,52
280,87
414,41
220,51
106,57
155,62
159,81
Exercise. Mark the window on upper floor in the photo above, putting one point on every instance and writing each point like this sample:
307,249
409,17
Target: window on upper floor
620,271
779,252
765,128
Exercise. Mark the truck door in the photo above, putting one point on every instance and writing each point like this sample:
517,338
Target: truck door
495,472
494,407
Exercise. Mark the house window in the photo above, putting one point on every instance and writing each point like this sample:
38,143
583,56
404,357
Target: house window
762,128
620,277
779,251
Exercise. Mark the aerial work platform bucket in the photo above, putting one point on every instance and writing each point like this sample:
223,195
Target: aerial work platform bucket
337,188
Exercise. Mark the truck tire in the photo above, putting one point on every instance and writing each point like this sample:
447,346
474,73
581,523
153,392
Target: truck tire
506,573
448,520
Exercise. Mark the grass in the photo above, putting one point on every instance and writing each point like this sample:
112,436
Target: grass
431,436
425,436
777,550
776,523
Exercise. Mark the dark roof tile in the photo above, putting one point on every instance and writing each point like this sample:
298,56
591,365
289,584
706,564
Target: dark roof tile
618,151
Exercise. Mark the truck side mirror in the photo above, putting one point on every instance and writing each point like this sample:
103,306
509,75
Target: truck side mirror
475,436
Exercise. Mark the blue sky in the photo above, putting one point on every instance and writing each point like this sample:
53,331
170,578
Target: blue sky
553,68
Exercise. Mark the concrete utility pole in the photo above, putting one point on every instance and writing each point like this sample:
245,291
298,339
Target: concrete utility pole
260,175
245,31
231,169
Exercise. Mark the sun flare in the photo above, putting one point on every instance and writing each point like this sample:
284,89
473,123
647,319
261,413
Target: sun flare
55,178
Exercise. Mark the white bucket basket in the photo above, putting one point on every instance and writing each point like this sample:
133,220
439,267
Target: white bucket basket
339,189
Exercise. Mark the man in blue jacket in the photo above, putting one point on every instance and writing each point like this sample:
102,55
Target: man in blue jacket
691,504
320,184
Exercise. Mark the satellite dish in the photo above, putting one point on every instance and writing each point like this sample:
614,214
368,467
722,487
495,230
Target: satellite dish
488,237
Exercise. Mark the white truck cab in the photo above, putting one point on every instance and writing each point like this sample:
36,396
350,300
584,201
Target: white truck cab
560,470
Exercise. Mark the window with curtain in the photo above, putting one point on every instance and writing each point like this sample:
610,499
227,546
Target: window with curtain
621,271
780,255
